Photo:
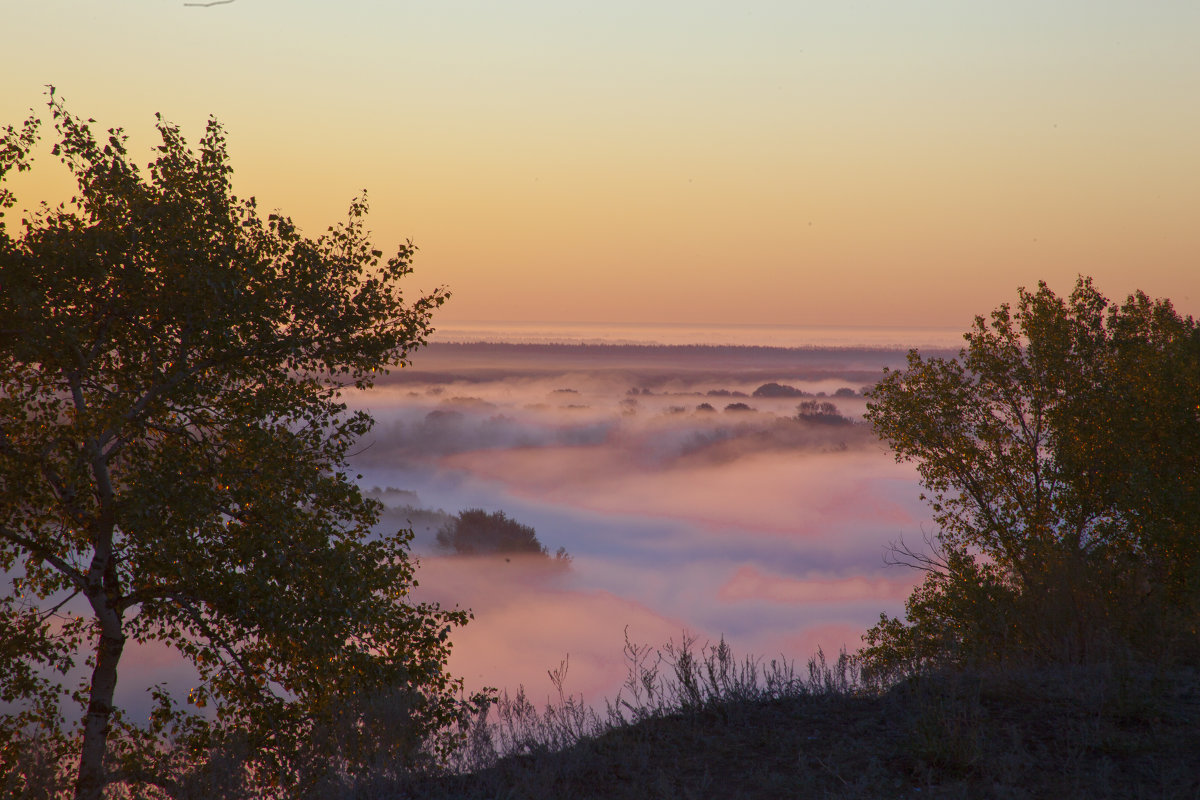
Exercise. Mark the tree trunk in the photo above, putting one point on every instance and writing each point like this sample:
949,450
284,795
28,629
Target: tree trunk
90,783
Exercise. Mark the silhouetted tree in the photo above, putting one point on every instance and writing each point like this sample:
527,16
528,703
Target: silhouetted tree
821,411
173,452
777,390
478,532
1060,453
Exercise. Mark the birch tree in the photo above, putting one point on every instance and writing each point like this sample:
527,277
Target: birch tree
173,449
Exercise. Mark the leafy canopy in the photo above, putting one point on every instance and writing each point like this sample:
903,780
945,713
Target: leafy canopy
173,456
478,532
1060,454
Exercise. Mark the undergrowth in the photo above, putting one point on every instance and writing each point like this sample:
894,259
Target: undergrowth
674,680
695,721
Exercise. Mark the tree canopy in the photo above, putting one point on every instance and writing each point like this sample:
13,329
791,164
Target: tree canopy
1060,454
173,471
477,532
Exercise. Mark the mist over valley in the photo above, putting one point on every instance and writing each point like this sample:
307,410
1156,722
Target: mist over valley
719,490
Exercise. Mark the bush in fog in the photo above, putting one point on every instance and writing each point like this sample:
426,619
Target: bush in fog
477,532
821,411
778,390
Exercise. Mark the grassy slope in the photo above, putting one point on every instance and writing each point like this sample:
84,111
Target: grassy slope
1056,734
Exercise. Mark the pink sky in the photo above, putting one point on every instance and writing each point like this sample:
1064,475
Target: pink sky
791,163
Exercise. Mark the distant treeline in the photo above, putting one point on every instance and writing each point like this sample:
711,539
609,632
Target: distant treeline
599,349
476,361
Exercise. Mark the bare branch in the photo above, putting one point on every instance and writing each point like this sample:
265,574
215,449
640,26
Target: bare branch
45,615
932,559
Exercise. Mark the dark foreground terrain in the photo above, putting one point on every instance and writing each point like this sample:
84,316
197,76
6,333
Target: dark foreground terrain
1094,733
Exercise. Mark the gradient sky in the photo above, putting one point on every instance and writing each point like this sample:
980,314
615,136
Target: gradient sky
856,163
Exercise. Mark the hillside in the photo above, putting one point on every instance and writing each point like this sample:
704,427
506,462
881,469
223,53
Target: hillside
1094,733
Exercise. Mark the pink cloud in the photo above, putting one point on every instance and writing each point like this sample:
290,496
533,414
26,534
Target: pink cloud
769,493
752,583
830,638
526,623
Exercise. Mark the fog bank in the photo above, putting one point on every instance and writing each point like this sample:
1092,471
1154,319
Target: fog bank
688,484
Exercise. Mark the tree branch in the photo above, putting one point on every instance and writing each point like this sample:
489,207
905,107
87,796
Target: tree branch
45,554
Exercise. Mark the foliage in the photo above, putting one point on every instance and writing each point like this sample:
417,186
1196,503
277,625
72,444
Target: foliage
1060,453
777,390
478,532
821,411
173,472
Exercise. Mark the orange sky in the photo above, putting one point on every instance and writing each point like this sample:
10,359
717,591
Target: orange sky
770,162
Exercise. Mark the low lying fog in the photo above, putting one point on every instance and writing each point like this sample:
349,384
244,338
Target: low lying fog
686,501
717,491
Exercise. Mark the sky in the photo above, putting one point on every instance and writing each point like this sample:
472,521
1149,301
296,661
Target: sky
781,163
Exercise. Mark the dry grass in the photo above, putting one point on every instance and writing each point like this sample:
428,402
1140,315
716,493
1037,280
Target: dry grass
697,723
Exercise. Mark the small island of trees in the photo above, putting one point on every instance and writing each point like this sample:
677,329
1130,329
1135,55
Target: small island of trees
475,532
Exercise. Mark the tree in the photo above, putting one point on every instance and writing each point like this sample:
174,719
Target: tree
478,532
821,411
1060,453
173,451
